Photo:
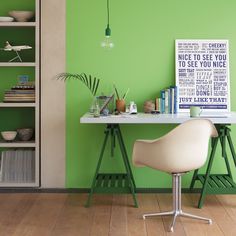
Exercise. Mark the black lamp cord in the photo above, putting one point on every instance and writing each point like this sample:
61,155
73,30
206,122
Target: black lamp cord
108,13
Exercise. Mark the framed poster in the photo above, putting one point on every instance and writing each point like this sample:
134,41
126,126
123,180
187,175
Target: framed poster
202,74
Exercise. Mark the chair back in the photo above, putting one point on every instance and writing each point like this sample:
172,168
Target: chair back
183,149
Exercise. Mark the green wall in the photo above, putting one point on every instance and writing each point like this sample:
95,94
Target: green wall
11,5
142,60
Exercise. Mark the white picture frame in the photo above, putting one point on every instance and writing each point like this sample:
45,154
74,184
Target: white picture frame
202,74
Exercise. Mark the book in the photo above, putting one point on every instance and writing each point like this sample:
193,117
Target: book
167,92
162,101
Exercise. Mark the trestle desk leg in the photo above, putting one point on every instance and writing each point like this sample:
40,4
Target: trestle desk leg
126,155
231,146
204,187
224,154
193,179
127,166
97,169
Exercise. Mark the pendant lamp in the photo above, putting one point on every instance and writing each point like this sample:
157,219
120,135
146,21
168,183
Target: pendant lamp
107,41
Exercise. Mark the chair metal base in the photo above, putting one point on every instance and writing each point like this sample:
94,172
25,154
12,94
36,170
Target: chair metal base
177,210
175,214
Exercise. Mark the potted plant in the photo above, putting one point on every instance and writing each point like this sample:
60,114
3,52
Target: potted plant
91,82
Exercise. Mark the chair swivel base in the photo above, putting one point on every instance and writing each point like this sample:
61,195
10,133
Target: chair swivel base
175,214
177,209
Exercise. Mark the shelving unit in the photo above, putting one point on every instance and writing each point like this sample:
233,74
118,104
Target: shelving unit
22,104
18,144
17,64
17,24
33,107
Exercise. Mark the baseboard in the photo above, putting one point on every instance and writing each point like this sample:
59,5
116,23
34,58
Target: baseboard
86,190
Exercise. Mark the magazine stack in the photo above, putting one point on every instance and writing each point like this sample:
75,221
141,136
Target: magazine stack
17,166
20,93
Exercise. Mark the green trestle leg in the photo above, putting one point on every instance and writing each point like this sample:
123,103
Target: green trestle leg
204,187
97,169
126,155
127,165
114,131
224,135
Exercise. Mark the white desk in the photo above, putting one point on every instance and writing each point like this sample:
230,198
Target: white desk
142,118
212,183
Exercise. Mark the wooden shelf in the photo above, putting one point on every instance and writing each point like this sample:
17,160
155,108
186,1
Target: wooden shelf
15,64
17,144
18,104
17,24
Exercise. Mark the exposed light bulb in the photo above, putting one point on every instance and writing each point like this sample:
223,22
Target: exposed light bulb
107,42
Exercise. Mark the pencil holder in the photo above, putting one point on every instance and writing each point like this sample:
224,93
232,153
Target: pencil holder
120,105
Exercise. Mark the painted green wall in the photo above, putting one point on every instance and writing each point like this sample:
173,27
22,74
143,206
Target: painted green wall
11,5
142,60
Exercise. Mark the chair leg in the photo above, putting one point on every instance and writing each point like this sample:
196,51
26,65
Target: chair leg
166,213
195,217
173,222
177,209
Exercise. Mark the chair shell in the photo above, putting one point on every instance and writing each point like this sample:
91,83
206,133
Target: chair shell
183,149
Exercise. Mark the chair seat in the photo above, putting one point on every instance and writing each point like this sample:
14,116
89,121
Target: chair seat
183,149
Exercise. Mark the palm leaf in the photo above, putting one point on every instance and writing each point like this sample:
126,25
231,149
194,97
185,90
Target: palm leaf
92,83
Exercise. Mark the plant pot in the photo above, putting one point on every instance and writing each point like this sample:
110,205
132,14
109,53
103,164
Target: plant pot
120,105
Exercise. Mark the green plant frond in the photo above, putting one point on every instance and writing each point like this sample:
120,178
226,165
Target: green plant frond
91,82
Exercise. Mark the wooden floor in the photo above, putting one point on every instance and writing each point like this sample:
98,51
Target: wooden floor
43,214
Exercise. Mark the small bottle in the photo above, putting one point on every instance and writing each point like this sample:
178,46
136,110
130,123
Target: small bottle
96,110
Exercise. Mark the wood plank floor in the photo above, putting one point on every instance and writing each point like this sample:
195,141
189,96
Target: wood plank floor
40,214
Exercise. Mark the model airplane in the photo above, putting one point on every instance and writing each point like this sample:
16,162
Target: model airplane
16,49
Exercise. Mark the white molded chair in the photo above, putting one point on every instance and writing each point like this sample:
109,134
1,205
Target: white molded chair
183,149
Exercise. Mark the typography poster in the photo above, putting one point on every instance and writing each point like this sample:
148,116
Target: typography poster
202,74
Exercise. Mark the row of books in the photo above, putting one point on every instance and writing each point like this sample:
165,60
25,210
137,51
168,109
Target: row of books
17,166
20,93
167,103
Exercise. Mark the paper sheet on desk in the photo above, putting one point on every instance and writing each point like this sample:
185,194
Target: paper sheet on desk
215,115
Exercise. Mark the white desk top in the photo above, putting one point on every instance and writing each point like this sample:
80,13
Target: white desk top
142,118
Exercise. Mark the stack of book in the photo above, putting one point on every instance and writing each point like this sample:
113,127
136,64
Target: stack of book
20,93
17,166
167,103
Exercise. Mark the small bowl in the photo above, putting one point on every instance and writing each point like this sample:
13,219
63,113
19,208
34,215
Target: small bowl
9,135
25,134
6,19
21,16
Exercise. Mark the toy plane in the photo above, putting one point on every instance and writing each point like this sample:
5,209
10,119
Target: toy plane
16,49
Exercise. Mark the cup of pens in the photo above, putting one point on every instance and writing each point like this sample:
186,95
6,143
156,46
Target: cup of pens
120,101
120,105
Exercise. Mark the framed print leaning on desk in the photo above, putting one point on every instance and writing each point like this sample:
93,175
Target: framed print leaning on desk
202,75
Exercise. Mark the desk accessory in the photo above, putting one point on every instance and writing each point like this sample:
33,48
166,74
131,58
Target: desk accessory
131,108
104,102
195,111
148,106
120,105
120,102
